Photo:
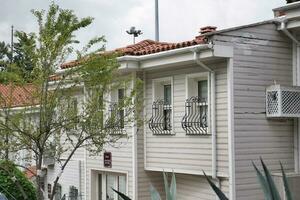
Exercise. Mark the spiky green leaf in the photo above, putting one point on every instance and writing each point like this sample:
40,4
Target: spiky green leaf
121,194
218,192
167,189
173,187
154,194
272,186
263,182
287,190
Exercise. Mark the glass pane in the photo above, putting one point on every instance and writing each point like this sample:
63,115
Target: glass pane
121,185
167,94
121,93
110,183
99,186
202,89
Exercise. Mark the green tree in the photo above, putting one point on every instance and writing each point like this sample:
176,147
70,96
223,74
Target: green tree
50,123
14,184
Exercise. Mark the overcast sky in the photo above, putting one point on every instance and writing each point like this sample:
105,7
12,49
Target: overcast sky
179,19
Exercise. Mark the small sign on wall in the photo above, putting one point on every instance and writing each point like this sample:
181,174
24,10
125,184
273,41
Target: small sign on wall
107,159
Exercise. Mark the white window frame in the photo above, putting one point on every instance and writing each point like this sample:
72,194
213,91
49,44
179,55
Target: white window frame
104,181
198,77
165,81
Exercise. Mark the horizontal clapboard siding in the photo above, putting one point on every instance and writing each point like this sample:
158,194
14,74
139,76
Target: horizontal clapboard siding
262,55
121,162
191,154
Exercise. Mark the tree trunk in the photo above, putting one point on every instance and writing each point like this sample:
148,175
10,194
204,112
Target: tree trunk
40,194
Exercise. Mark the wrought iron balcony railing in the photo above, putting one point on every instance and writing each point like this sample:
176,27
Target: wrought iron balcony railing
160,121
115,121
195,119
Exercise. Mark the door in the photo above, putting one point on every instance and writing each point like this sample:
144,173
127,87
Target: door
109,181
100,187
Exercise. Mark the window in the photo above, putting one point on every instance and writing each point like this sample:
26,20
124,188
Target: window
58,193
161,119
109,181
49,187
115,122
72,113
121,95
195,120
73,193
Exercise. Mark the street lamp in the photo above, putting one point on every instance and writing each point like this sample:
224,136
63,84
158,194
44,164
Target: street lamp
134,32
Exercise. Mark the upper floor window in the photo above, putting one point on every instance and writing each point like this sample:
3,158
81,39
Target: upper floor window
115,122
161,119
195,120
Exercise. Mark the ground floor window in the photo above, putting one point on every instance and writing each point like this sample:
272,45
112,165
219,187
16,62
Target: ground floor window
107,181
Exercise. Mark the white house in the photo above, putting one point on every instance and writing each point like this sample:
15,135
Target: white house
208,106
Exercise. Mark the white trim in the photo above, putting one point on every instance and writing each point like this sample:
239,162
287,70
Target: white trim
183,171
85,152
170,80
104,172
134,150
204,75
231,139
145,118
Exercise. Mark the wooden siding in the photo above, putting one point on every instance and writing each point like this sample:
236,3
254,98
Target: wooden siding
191,187
181,152
70,177
121,162
262,55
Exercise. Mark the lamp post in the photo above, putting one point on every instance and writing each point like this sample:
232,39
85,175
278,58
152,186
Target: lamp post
134,32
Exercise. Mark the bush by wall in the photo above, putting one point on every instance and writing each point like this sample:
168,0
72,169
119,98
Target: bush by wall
14,184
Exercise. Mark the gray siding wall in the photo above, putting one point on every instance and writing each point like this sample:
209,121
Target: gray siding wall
262,55
186,155
181,152
72,176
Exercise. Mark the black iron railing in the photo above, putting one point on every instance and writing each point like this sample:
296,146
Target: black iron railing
195,119
160,121
115,121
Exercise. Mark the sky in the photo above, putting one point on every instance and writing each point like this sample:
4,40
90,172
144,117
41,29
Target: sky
179,19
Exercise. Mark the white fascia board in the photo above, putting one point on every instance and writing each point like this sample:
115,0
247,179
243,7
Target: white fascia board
176,56
293,24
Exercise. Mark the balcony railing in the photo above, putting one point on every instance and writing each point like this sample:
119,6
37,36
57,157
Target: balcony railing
160,121
195,119
115,121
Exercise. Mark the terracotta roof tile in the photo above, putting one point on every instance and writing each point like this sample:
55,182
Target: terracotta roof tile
15,96
150,47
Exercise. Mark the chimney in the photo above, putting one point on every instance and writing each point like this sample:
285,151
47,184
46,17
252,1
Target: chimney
291,1
289,11
207,29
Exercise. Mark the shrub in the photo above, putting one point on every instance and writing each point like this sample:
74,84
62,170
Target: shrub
14,184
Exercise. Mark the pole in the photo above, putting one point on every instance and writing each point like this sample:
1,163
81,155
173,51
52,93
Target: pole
12,44
156,21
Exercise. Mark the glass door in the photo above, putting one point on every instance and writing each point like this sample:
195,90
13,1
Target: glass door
100,187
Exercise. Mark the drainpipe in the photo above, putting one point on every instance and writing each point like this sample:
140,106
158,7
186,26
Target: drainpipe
212,114
296,82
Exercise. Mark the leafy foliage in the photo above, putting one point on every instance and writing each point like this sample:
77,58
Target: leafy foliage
14,184
55,120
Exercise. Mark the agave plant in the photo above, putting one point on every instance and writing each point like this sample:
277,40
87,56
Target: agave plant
266,181
170,190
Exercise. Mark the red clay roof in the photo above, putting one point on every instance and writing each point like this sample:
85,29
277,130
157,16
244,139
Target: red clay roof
30,172
149,47
15,96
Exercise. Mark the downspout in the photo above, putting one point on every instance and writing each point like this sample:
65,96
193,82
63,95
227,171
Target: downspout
134,147
212,113
296,82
